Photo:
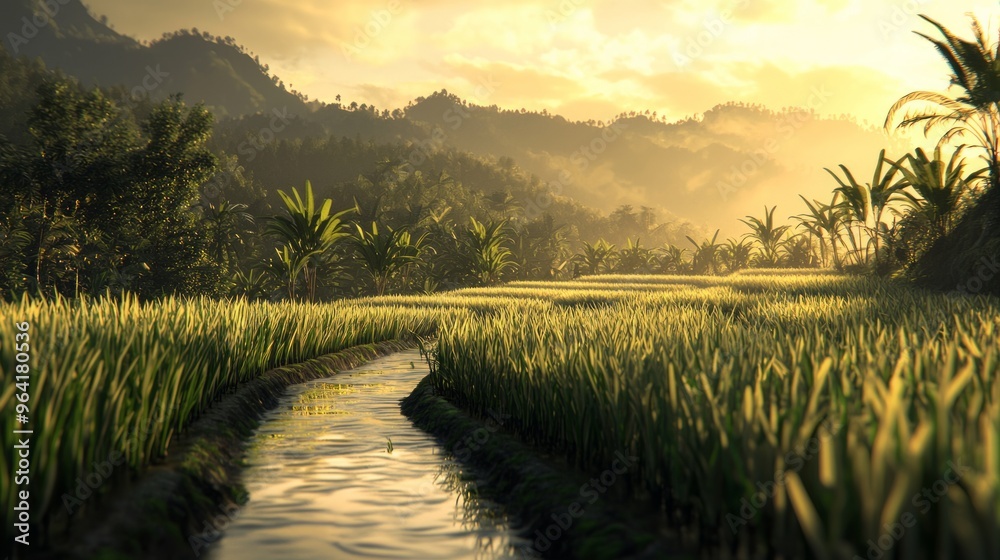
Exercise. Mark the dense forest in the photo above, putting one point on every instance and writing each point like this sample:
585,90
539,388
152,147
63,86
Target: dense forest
114,189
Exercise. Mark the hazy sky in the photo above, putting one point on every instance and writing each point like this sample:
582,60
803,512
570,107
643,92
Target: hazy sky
580,58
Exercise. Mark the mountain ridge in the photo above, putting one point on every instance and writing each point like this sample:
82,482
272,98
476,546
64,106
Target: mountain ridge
710,169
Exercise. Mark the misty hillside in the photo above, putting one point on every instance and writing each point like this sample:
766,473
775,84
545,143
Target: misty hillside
712,169
214,71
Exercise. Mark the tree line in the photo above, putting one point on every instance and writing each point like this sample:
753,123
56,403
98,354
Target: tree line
104,198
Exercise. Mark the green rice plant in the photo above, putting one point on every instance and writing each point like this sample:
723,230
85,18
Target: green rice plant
120,376
844,396
847,396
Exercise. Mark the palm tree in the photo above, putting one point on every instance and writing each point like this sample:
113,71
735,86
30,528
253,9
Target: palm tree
799,252
253,285
485,244
55,241
767,235
597,257
857,205
287,264
385,253
736,254
869,200
824,221
671,259
307,235
634,258
939,187
705,259
975,110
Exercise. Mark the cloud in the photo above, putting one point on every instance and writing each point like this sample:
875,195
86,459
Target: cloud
583,57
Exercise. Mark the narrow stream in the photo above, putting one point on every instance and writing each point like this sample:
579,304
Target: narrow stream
323,483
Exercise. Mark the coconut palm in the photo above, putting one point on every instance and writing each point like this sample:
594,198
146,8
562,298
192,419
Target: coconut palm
974,110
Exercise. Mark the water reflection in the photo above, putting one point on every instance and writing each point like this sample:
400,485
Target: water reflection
324,484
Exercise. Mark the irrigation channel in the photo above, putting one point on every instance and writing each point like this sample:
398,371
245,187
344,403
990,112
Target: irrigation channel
324,484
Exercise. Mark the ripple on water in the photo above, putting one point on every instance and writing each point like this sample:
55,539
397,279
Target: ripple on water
322,484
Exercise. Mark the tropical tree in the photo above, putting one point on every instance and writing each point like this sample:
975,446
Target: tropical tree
486,247
824,221
967,114
671,260
939,187
767,235
799,252
307,234
857,205
227,224
736,254
869,201
634,258
705,259
253,285
973,111
14,242
540,248
597,257
385,253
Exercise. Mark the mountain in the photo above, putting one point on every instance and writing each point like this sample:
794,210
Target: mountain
713,169
216,71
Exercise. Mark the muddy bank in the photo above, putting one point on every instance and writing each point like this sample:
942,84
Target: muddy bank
172,510
564,514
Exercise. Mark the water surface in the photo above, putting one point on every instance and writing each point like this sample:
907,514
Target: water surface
323,483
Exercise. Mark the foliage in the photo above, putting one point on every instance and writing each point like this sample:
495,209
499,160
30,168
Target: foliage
859,393
307,235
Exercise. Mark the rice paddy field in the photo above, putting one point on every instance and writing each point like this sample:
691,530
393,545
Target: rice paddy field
802,414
